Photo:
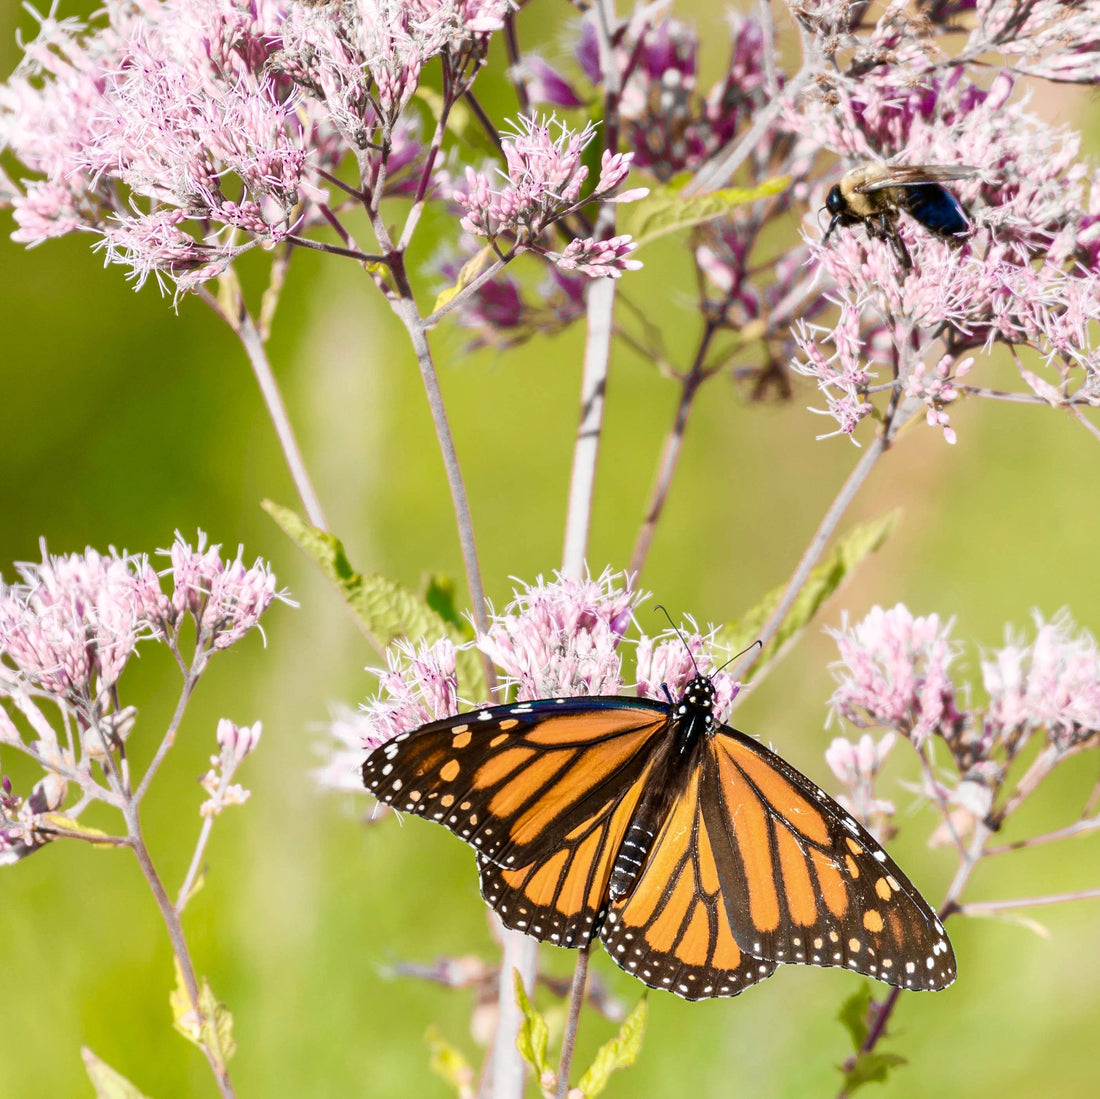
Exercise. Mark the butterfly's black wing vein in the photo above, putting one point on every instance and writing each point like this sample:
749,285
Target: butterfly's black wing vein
809,884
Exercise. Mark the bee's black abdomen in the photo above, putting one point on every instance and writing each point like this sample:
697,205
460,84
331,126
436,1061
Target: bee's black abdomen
936,208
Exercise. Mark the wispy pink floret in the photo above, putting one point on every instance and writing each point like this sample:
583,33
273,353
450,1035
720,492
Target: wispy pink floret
614,168
194,570
226,598
856,765
843,376
73,622
544,175
600,258
560,638
893,672
238,597
238,740
544,180
420,684
936,389
1052,683
664,661
852,762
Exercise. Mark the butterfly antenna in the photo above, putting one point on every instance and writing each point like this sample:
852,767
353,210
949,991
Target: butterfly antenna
740,654
691,656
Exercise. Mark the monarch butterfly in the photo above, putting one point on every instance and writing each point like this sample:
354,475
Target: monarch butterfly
700,859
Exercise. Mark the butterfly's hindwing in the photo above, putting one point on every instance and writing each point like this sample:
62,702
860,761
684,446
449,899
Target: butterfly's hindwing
672,931
804,882
562,898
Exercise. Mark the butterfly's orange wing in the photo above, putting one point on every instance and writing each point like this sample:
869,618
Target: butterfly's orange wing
673,930
543,791
561,898
803,881
754,865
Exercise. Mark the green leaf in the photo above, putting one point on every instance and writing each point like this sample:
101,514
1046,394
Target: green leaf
665,210
386,610
853,1014
211,1027
621,1052
108,1083
439,594
823,580
449,1063
533,1032
870,1068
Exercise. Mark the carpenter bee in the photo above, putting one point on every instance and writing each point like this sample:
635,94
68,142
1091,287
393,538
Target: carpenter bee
874,193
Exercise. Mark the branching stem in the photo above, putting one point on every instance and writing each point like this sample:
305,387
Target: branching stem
569,1038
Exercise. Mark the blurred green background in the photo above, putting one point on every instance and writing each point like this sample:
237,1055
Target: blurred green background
122,421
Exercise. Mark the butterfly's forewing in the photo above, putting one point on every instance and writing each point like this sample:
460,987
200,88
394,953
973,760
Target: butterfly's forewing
803,882
672,931
525,782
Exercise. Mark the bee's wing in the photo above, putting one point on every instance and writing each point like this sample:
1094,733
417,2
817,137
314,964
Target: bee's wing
909,175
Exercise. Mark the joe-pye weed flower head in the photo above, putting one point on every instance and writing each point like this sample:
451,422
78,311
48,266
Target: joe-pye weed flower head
558,638
68,628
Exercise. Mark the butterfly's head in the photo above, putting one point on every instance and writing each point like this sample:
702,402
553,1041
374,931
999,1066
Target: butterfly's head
697,702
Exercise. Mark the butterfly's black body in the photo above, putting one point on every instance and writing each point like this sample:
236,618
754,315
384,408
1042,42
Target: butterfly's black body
700,859
691,721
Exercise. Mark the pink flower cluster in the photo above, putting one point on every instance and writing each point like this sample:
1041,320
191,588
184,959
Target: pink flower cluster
544,180
71,623
185,132
226,598
1053,684
562,637
161,130
558,638
68,628
363,58
893,672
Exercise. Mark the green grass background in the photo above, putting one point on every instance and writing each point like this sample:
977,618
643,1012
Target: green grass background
121,421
